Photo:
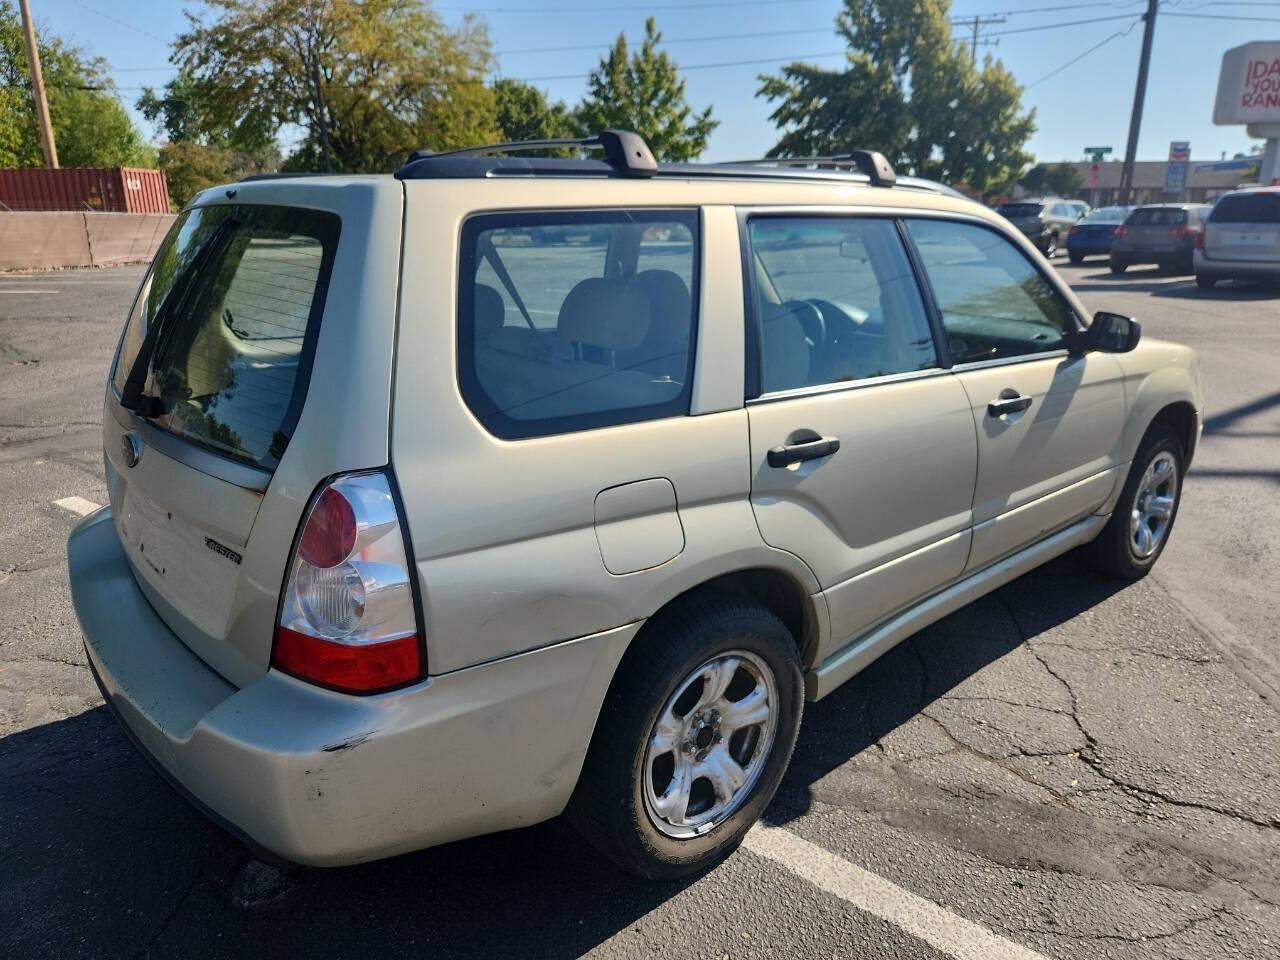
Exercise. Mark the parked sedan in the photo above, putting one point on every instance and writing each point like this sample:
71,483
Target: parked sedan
1092,236
1160,233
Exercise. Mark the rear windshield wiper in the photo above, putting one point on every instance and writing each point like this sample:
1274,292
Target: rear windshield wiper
132,397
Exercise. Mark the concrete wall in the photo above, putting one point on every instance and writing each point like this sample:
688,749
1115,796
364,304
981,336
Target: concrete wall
34,241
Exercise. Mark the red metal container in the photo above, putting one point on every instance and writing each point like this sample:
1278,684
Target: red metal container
101,189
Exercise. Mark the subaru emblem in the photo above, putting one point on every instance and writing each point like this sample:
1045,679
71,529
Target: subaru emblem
132,446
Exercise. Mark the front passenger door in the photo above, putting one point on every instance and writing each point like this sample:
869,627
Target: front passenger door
1049,423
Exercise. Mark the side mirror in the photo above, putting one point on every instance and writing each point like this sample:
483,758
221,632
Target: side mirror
1111,333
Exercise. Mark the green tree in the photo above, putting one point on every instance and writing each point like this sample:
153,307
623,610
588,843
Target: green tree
90,126
908,91
522,112
188,109
644,93
1058,179
366,80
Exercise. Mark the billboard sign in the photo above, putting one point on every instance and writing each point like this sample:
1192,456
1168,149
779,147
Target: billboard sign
1249,84
1175,174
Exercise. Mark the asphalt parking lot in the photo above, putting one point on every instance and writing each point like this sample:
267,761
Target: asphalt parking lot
1065,769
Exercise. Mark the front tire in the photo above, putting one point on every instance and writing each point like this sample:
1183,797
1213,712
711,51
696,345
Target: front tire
1205,282
1139,528
693,738
1051,246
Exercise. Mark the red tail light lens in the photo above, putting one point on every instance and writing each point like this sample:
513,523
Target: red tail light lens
348,620
1181,231
1120,231
1200,240
330,532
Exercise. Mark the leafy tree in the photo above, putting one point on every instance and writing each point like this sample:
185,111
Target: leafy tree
366,80
909,92
188,109
90,126
644,93
522,112
1058,179
190,167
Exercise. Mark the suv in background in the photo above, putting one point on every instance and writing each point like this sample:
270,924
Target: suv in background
1241,240
1045,222
447,501
1162,233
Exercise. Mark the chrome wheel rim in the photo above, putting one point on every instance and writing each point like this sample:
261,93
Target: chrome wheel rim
710,743
1153,505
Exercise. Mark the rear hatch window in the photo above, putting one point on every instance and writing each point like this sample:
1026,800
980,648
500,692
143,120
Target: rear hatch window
1247,208
218,348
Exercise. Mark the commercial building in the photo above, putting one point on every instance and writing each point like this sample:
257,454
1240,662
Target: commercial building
1149,181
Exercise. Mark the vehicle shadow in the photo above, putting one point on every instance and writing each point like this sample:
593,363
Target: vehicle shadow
1161,283
103,860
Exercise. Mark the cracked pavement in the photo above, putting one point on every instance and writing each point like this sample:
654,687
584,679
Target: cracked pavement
1086,769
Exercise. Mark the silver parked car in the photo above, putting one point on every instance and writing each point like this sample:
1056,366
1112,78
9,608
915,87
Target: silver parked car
1241,240
1046,222
445,502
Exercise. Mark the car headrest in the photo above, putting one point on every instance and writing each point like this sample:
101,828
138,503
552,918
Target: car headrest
670,306
608,313
490,311
785,349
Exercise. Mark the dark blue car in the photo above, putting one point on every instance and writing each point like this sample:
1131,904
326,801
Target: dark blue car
1092,236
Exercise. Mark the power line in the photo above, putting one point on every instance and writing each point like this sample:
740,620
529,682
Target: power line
665,42
1074,60
1219,16
122,23
629,8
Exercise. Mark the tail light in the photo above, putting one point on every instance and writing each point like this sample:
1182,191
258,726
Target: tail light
1182,230
348,620
1200,240
1120,231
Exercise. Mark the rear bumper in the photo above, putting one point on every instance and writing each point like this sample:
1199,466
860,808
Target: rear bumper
1088,248
1235,269
322,778
1152,254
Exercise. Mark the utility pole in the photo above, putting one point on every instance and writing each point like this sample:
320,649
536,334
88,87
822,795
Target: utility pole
978,23
37,88
1139,96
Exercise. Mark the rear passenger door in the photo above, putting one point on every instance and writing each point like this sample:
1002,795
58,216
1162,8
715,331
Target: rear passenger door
1048,422
844,354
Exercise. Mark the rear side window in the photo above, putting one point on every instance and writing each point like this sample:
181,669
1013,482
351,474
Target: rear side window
1247,208
237,292
574,320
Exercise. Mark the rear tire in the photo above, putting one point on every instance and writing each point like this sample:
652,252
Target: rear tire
663,725
1075,258
1205,282
1135,536
1118,266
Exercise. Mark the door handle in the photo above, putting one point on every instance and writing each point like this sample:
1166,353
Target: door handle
1009,401
789,453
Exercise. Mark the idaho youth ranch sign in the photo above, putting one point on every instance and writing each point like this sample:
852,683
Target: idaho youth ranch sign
1249,85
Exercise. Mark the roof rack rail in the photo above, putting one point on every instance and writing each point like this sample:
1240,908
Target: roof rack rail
624,150
873,164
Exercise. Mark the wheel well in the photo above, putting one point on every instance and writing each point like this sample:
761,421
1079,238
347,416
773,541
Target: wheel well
1180,417
778,592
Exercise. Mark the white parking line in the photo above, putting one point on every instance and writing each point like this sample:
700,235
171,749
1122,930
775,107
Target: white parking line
923,919
4,289
77,505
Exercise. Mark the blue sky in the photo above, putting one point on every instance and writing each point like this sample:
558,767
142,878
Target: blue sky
1085,104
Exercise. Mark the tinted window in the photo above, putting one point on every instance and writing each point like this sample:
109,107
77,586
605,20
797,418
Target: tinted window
568,321
994,302
238,292
1021,209
835,300
1247,208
